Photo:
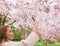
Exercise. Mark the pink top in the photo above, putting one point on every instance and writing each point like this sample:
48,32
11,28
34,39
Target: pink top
30,41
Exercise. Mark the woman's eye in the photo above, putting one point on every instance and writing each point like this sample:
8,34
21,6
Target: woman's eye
10,31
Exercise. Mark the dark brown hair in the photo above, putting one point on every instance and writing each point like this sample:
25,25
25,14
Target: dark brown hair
3,30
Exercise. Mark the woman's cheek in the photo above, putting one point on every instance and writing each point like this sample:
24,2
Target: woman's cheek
9,36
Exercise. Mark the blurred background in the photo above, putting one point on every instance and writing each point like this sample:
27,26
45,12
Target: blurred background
21,14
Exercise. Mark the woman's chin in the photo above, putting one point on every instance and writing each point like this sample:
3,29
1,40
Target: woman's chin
11,39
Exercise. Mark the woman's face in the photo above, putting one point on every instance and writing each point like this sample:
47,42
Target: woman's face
9,34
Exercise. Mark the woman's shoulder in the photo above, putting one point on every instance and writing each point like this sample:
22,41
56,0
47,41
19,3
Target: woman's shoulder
10,43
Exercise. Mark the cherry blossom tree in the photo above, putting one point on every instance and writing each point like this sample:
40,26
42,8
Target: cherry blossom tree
23,13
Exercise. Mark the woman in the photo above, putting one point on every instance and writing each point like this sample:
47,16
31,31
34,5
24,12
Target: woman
6,35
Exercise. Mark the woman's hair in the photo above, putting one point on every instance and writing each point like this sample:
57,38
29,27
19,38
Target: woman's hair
3,30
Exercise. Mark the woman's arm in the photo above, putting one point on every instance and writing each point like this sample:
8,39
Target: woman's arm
32,38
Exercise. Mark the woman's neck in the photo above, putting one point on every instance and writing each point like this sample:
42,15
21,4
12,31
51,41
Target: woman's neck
3,41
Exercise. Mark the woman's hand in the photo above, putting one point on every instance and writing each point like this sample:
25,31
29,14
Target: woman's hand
35,26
